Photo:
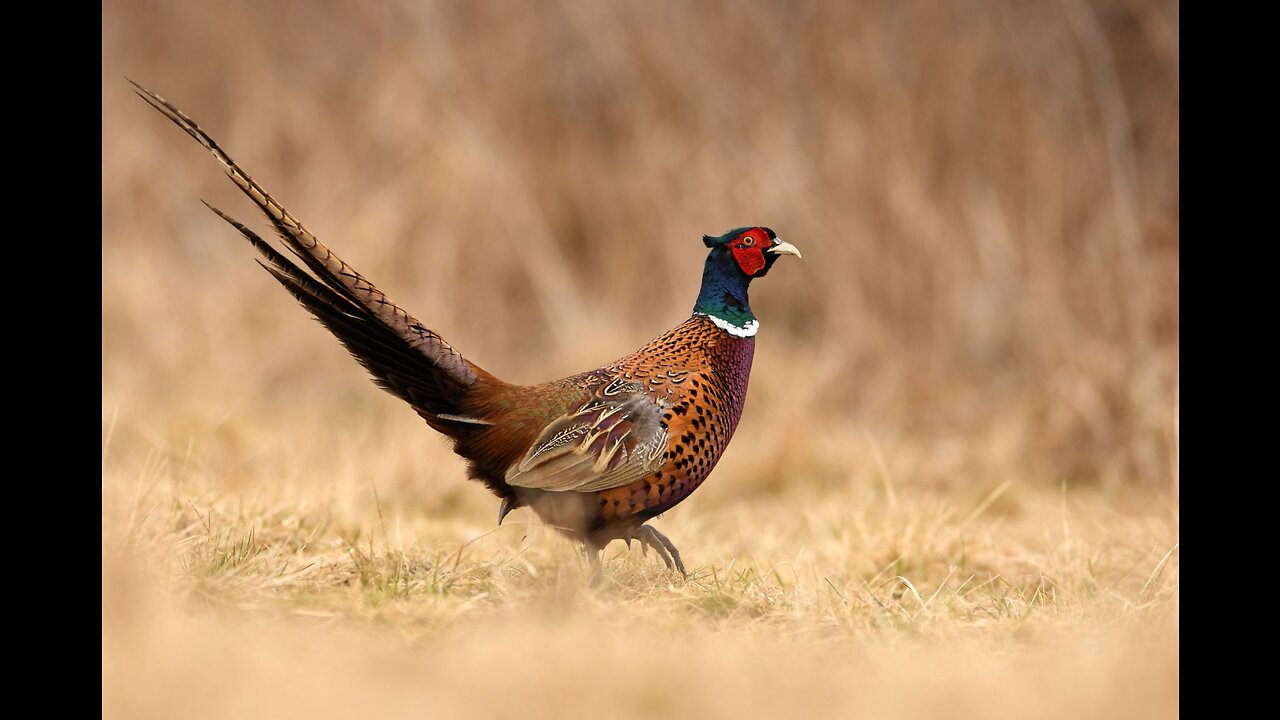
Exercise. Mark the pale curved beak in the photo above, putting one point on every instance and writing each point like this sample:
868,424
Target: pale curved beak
782,247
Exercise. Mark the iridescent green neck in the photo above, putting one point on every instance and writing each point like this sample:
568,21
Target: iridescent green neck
724,292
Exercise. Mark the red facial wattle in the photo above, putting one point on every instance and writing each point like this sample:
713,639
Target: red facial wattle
748,249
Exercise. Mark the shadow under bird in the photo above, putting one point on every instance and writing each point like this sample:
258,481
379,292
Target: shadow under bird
596,455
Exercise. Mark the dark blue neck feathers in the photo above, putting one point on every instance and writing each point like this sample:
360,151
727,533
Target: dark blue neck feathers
724,289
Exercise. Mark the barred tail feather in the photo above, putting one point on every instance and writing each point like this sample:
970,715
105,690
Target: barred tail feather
404,357
395,367
343,281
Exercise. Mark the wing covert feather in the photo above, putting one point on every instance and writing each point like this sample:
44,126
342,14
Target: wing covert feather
605,443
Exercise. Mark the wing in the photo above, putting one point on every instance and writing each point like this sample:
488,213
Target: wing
608,442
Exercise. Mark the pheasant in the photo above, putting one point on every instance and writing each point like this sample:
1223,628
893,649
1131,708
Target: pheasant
596,455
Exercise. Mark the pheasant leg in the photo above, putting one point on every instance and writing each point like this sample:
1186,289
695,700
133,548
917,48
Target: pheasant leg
593,558
649,537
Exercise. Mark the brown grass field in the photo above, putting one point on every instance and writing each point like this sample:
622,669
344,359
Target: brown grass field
954,492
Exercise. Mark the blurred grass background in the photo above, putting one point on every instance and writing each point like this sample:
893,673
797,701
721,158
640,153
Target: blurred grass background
986,195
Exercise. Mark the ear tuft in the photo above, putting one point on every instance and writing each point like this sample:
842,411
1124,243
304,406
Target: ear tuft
708,241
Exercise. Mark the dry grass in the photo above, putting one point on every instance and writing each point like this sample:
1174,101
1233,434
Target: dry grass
322,585
292,596
954,490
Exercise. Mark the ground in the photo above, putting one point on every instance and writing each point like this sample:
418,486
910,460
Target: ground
309,583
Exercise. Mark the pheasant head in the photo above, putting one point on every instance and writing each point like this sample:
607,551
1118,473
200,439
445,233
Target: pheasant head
736,258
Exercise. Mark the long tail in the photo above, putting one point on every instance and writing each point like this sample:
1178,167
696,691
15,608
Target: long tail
404,357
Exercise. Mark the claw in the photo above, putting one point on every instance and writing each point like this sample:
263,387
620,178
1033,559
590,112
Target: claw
507,506
649,537
666,560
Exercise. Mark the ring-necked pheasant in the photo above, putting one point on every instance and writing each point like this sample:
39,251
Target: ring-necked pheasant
596,454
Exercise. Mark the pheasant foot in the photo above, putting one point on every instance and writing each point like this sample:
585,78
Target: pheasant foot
649,537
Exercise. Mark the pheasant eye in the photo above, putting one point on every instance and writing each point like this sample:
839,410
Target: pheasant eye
748,241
